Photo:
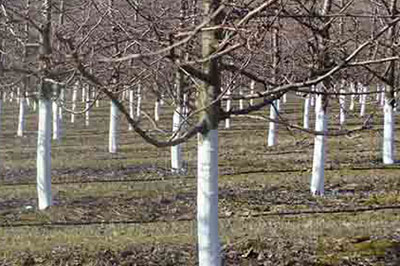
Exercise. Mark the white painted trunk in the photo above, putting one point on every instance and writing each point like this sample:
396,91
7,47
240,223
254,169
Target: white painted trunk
18,94
318,171
60,110
312,97
363,98
87,105
284,98
306,114
157,110
185,106
272,125
34,105
11,97
352,90
113,133
342,106
21,117
228,108
176,151
139,102
377,96
74,96
83,99
383,96
97,103
207,199
131,110
395,105
56,121
388,134
252,90
162,99
43,161
241,105
1,111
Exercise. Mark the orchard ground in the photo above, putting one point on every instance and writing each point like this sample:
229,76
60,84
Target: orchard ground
130,209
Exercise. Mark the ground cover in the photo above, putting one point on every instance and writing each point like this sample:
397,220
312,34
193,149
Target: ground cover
129,208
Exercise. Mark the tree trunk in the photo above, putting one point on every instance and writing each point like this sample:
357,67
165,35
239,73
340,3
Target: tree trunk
228,108
318,171
21,116
207,156
252,89
131,110
139,102
342,108
87,105
388,133
43,163
113,132
352,90
74,96
176,151
363,97
306,114
56,121
273,115
157,110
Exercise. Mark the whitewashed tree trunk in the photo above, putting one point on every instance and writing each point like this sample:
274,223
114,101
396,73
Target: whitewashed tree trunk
352,90
21,117
60,109
306,113
1,109
83,90
176,151
113,132
312,96
318,171
56,121
139,102
284,98
18,94
131,109
228,108
43,163
241,105
382,96
388,134
74,96
87,105
377,96
207,198
157,110
162,99
395,105
34,105
363,100
342,108
252,90
273,114
185,106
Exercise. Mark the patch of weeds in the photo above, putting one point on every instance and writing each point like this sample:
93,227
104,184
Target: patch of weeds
362,248
383,199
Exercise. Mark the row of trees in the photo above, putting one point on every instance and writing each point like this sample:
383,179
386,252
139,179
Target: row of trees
193,55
